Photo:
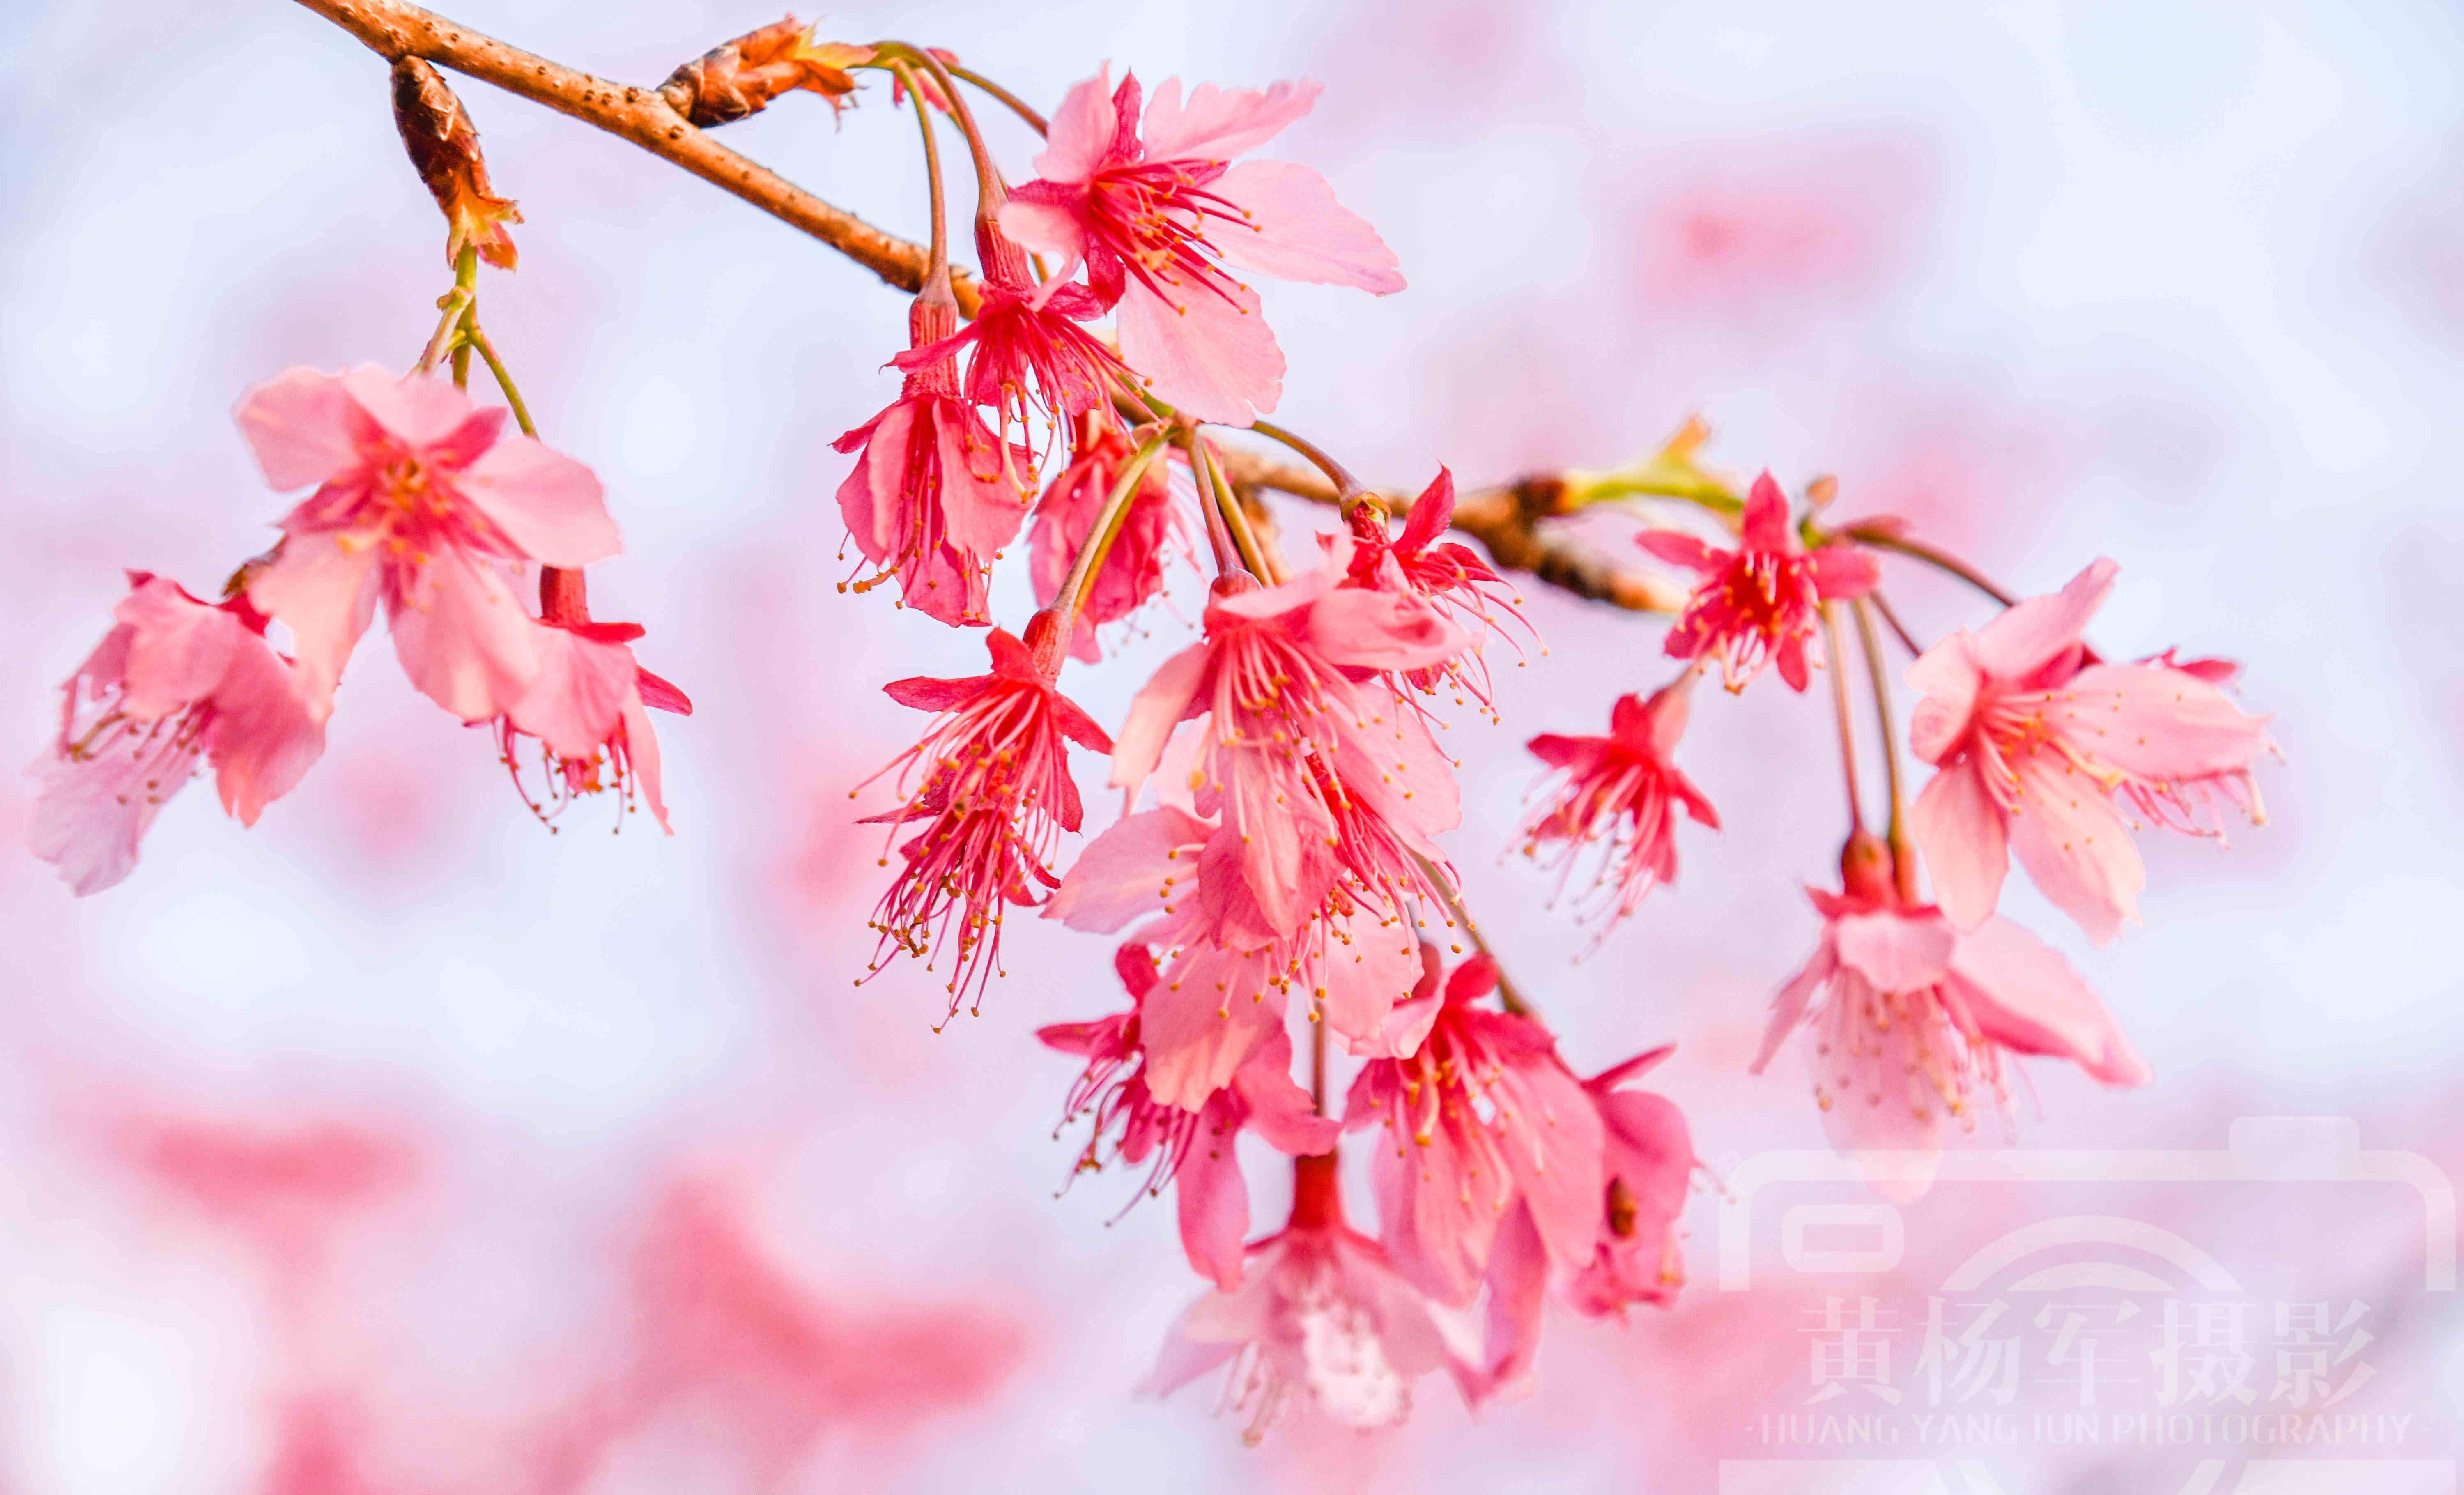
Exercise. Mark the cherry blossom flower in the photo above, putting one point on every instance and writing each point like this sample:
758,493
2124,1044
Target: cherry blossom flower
1132,574
424,503
1647,1156
1157,212
1451,577
1481,1116
175,683
933,496
990,787
1757,603
1285,726
2036,739
587,713
1620,796
1320,1312
1913,1019
1192,1148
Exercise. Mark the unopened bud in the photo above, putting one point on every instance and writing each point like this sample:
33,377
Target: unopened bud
1821,490
444,148
1865,868
739,78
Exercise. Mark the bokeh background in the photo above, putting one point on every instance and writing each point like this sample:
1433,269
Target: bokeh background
400,1146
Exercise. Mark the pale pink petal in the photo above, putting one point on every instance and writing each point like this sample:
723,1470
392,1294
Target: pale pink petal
1220,123
2027,998
2040,630
264,736
2155,722
295,424
1377,629
1788,1007
178,647
578,698
1895,951
1159,707
1080,131
464,638
2077,848
1948,678
419,411
1278,1109
547,504
1123,874
1213,1201
1561,1182
1842,571
642,753
1518,1290
90,815
1211,1009
322,587
1683,550
1214,359
1046,228
1964,837
1396,768
1367,977
1296,231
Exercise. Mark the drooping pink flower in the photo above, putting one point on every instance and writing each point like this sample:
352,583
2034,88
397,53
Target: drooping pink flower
935,494
2034,740
1158,213
424,503
1451,577
1620,795
175,683
1481,1116
1319,1313
1281,717
1757,603
989,787
1913,1020
588,714
1132,574
1648,1160
1194,1149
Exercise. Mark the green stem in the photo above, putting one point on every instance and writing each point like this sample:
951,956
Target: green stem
504,381
456,309
1264,567
1940,560
1347,488
1108,528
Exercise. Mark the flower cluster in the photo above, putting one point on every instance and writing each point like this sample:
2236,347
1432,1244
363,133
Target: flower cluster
1277,879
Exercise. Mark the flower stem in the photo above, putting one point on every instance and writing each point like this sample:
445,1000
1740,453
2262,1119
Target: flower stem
1347,488
937,255
504,381
1839,708
1940,560
456,307
1317,1067
1507,995
1904,854
1017,105
1899,629
1081,579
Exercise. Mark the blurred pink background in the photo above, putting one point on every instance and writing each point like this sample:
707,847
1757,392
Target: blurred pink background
400,1147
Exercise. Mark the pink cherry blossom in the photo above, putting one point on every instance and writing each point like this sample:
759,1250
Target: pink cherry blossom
1452,576
175,683
1648,1160
1290,740
935,494
1320,1312
587,713
1158,213
1757,603
1912,1021
1193,1150
2035,740
424,503
1480,1116
990,787
1132,574
1618,797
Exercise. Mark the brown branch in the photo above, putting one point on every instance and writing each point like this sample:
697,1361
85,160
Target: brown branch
1507,521
394,31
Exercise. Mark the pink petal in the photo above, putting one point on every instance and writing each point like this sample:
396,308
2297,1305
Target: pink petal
1213,1201
177,649
2041,629
89,815
547,504
264,736
578,698
1278,1109
1220,123
324,588
2076,847
1895,951
2156,723
642,753
1375,629
1562,1184
1788,1007
2027,998
1964,837
869,497
1764,524
419,411
1948,678
295,424
1683,550
1047,227
1518,1290
1080,131
1211,1010
1159,707
1368,981
1842,571
464,638
1216,359
1120,877
982,510
1296,231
